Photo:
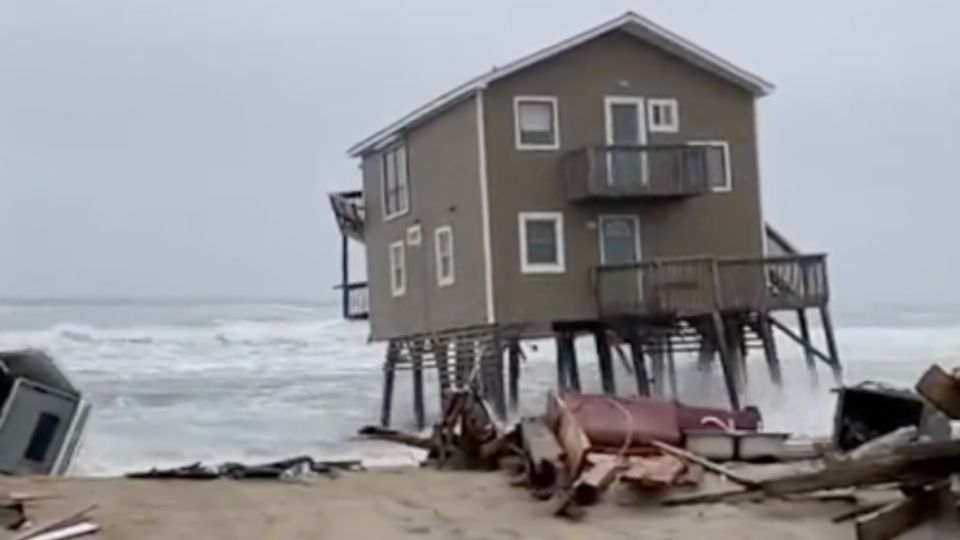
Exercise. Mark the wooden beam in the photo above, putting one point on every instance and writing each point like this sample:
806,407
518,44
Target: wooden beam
389,373
763,329
706,464
942,390
513,367
563,352
831,345
638,361
901,516
805,339
543,451
416,358
806,344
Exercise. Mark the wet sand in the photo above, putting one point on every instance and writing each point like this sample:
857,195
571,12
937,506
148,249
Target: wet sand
407,503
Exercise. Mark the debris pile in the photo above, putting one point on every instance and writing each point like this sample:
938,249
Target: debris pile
293,468
584,444
13,518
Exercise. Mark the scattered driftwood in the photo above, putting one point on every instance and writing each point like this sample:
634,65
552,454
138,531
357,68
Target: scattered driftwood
288,468
586,489
12,515
895,518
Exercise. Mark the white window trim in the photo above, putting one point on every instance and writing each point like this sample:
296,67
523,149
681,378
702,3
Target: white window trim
444,281
414,235
663,102
383,181
636,229
552,100
542,268
727,164
398,289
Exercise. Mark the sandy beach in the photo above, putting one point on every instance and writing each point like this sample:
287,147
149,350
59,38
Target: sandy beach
408,503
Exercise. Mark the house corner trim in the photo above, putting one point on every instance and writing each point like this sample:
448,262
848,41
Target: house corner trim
485,209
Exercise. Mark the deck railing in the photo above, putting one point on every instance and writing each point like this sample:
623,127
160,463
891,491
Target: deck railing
634,171
356,301
699,285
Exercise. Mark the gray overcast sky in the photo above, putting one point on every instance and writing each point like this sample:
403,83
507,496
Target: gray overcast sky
161,147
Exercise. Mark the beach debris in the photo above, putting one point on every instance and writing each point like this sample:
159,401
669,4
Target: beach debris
942,389
870,410
71,525
297,467
12,515
44,415
898,517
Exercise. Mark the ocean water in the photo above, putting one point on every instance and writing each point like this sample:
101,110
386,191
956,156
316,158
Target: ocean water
178,382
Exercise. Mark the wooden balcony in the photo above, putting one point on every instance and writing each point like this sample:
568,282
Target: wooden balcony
355,301
631,172
349,211
678,287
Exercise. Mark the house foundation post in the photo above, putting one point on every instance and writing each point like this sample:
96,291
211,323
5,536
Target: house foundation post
607,377
807,352
389,373
415,350
515,354
639,364
831,345
729,367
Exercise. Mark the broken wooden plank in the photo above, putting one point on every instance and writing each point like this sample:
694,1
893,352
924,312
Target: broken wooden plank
54,523
570,434
942,390
884,444
70,531
919,461
706,464
857,512
586,489
397,436
900,516
543,452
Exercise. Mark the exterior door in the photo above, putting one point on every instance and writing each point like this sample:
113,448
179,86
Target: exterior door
619,239
626,129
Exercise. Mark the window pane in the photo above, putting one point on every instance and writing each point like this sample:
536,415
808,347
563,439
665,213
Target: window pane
403,197
541,241
716,166
536,123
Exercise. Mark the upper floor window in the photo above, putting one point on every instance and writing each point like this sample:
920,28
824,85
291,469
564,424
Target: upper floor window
718,166
541,243
396,187
664,115
398,269
536,123
443,242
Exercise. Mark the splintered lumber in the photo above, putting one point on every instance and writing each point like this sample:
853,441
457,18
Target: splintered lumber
898,517
942,390
586,489
571,436
396,436
55,523
857,512
70,531
706,464
11,514
883,444
920,461
543,451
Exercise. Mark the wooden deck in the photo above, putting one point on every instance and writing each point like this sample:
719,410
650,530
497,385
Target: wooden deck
684,287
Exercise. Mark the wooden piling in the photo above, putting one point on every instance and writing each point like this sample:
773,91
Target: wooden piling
513,367
607,377
639,364
807,351
440,348
573,365
464,361
671,368
563,359
389,372
415,350
769,349
729,370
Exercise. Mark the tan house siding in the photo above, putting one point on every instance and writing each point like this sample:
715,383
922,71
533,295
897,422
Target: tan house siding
444,190
615,64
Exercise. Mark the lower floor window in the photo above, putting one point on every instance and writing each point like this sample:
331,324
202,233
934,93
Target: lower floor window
541,242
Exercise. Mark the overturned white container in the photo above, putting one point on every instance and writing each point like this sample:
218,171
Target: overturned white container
711,444
761,446
42,415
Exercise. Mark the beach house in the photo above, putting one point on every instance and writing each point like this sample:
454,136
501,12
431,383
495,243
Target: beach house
607,185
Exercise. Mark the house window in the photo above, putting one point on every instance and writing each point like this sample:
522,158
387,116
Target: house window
541,243
396,188
536,123
414,235
398,270
718,166
664,115
443,242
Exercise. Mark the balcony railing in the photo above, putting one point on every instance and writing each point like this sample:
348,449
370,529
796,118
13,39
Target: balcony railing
631,171
355,301
700,285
